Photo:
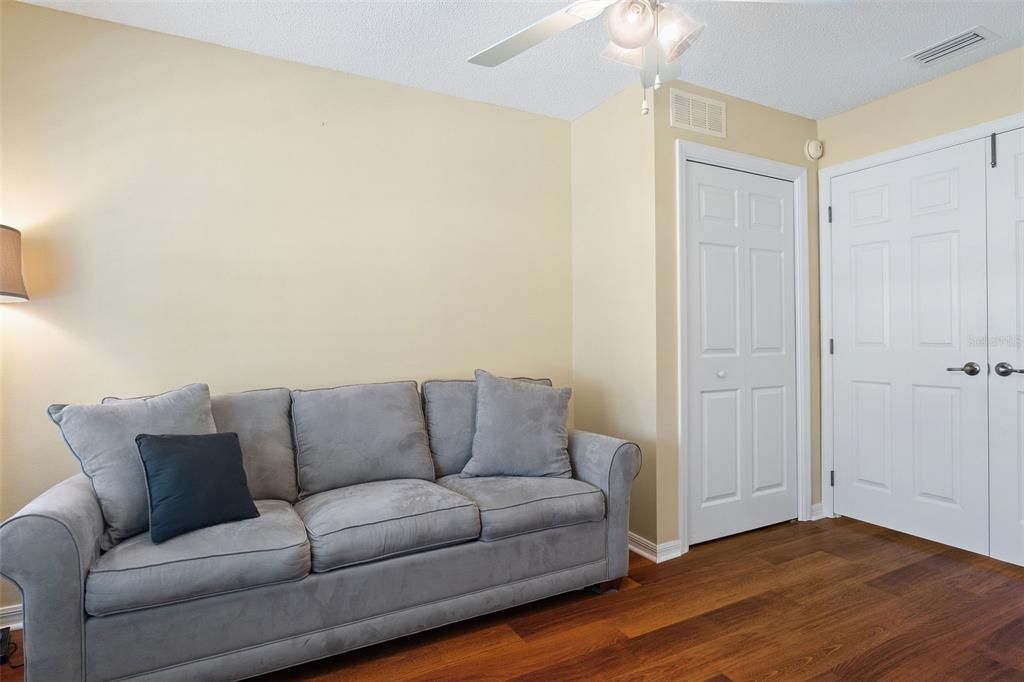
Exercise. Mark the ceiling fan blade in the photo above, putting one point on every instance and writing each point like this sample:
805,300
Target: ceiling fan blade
532,35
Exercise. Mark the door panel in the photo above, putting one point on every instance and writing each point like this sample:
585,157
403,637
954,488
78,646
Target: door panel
871,434
741,366
1006,334
910,301
719,298
720,454
769,439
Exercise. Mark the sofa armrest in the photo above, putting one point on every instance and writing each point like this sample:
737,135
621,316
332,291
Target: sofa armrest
47,549
610,464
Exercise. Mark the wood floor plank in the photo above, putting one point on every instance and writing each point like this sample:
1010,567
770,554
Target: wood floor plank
528,656
1006,644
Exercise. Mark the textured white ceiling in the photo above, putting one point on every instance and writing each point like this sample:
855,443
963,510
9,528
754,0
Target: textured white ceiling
814,59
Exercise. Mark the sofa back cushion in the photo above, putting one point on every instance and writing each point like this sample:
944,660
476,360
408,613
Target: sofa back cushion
262,420
361,433
102,438
450,410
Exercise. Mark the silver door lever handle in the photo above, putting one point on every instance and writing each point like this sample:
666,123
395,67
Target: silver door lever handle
969,368
1005,369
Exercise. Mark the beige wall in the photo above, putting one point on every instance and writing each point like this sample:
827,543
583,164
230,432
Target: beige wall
973,95
195,213
614,345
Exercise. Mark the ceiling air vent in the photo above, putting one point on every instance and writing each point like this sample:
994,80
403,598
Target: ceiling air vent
696,113
968,40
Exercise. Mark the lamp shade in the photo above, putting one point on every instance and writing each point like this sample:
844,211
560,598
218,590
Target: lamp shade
12,284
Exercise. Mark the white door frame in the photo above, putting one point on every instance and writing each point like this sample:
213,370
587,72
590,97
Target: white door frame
692,151
825,176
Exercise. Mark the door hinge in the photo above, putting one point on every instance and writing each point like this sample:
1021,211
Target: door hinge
993,139
832,478
830,214
831,346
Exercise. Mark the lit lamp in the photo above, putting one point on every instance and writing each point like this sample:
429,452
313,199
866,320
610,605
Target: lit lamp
12,284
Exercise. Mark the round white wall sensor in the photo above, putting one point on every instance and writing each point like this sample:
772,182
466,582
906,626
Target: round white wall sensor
814,150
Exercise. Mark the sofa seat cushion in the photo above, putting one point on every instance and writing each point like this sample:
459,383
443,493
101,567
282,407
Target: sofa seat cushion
513,505
136,574
381,519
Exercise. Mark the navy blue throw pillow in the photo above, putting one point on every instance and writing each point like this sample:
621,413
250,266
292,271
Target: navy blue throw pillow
194,482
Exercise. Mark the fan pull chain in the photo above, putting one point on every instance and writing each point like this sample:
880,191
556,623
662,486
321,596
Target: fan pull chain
657,51
645,108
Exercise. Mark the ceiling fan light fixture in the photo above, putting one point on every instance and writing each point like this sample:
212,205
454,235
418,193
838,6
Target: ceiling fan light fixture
587,9
631,23
677,31
633,57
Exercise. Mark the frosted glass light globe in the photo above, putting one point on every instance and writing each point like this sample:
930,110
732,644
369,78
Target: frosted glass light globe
676,31
631,23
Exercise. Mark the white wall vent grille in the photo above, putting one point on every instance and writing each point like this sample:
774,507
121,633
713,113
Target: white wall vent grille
699,114
962,42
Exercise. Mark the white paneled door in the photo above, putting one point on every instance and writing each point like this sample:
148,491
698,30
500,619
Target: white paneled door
910,370
741,364
1006,352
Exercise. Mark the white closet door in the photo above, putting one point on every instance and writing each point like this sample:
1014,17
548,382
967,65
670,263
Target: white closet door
1006,336
910,301
741,364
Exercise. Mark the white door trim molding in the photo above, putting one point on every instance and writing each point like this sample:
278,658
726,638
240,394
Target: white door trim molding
825,176
692,151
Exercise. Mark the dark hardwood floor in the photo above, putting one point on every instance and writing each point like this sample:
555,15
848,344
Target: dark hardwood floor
834,599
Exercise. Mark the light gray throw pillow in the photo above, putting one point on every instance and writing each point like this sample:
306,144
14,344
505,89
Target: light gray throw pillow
262,420
450,409
357,434
102,438
520,429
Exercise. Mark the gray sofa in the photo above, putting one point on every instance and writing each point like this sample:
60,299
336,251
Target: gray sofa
317,574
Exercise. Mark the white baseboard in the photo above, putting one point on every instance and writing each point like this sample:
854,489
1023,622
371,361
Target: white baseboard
818,512
10,616
654,552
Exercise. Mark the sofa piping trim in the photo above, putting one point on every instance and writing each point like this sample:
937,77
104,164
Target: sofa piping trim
201,558
81,587
396,518
402,552
196,597
542,499
611,465
535,530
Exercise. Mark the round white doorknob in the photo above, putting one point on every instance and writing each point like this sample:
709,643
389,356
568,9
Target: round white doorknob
720,374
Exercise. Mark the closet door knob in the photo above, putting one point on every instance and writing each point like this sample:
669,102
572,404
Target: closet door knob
1005,369
972,368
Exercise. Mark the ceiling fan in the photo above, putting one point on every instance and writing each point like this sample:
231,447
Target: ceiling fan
649,35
